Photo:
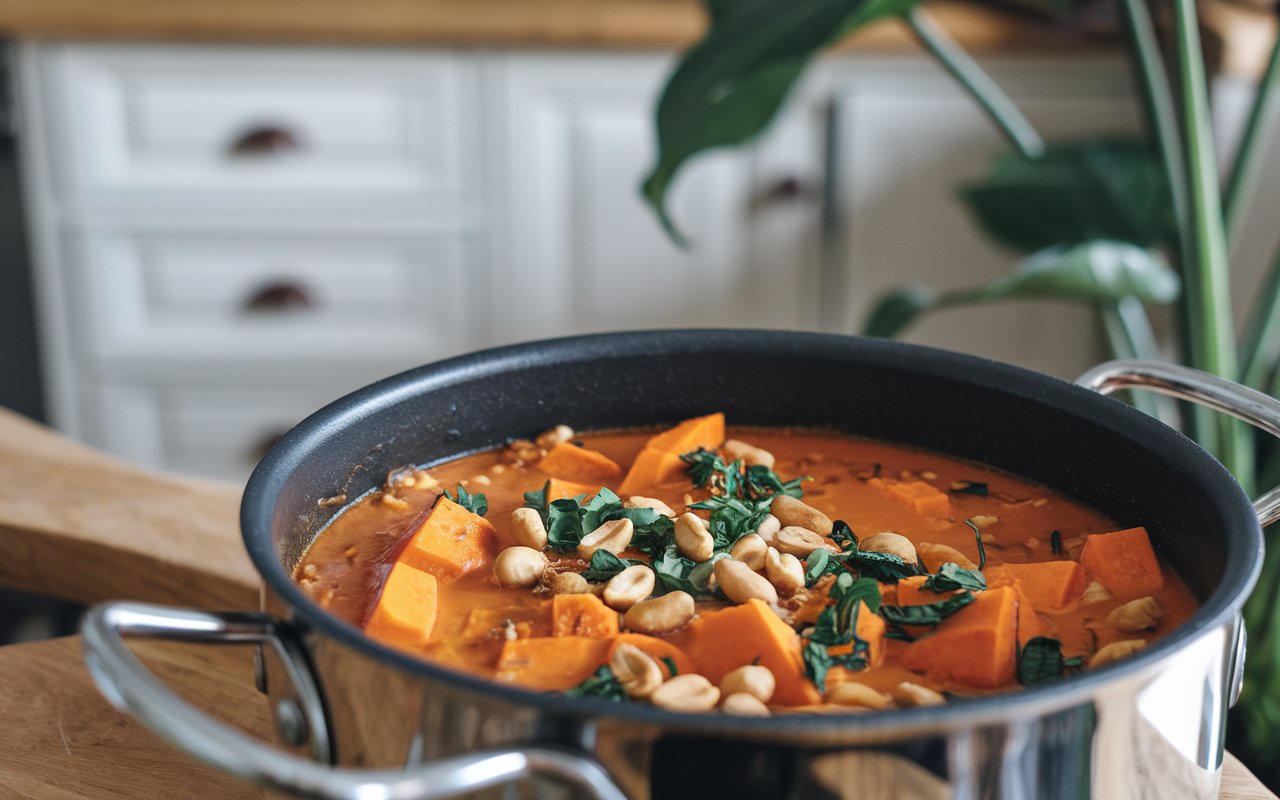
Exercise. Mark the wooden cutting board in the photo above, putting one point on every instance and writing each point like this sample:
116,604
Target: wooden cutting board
77,524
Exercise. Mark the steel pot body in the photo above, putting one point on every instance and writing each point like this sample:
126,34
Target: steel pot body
1151,726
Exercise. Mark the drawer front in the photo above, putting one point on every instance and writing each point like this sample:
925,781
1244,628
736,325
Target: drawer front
199,127
180,300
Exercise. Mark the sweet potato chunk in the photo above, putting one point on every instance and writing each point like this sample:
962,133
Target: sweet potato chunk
918,496
976,646
652,468
911,592
582,615
526,621
1049,585
561,489
551,663
658,648
451,541
706,432
569,462
406,609
721,641
1123,562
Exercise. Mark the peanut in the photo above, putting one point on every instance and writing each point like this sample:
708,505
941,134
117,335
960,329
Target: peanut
750,550
769,527
740,583
744,705
688,692
933,556
749,454
784,571
1094,593
527,528
1116,651
852,693
636,670
799,542
566,583
692,538
660,614
752,679
637,501
793,512
549,439
894,544
629,587
1136,615
913,695
614,536
519,566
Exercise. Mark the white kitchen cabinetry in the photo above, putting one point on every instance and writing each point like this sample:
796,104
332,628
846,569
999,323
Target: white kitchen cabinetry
227,237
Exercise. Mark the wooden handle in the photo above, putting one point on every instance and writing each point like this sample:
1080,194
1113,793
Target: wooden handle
78,524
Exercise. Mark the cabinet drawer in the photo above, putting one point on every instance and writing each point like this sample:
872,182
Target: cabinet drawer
248,127
187,299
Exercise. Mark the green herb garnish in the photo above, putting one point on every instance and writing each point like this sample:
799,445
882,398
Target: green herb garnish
475,503
837,625
569,519
1055,543
1041,660
672,669
952,576
982,551
602,685
709,471
604,565
928,614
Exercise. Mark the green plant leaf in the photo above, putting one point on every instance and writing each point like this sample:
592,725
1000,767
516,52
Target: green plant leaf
1092,189
897,309
1089,271
728,87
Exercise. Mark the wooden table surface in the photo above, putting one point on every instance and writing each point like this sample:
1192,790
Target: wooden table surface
75,523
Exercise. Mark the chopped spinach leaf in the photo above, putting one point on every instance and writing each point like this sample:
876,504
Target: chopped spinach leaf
982,551
564,524
952,576
709,471
538,500
843,535
732,518
1075,662
1040,660
1055,542
881,566
604,565
673,571
603,685
672,669
475,503
817,564
927,614
837,625
969,487
568,520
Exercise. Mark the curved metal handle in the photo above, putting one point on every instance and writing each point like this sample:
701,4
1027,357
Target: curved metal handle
130,687
1194,386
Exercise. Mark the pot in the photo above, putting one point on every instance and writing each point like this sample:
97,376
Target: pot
360,720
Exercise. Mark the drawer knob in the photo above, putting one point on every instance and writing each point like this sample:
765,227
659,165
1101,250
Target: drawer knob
266,140
279,296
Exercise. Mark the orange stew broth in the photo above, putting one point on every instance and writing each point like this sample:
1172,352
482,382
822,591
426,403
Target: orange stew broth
346,566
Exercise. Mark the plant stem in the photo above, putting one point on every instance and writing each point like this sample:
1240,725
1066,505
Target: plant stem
970,74
1128,330
1244,168
1207,285
1260,341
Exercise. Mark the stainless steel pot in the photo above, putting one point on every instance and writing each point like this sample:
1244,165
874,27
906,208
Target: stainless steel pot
359,720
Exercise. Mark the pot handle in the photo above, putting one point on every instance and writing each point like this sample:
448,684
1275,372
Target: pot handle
131,688
1192,385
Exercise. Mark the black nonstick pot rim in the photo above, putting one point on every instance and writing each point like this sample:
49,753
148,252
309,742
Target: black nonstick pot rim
1242,565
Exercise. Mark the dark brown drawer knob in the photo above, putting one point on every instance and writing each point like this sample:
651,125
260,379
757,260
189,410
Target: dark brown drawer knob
279,296
267,140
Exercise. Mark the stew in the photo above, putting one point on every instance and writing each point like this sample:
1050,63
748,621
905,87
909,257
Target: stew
756,571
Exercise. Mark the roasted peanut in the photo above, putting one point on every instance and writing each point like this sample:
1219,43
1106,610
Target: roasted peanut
740,583
549,439
1136,615
614,536
637,501
749,454
984,521
793,512
769,527
752,679
1116,651
527,528
852,693
692,538
519,566
688,692
744,705
750,550
636,670
784,571
933,556
566,583
799,542
1094,593
629,587
894,544
660,614
913,695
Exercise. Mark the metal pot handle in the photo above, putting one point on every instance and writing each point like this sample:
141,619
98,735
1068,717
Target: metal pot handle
130,687
1192,385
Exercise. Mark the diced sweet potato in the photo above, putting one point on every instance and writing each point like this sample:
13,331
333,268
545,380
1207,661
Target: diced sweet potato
582,615
1049,585
560,489
551,663
1123,562
1030,623
918,496
653,468
706,432
870,629
976,646
578,464
721,641
405,611
528,621
911,592
451,541
658,648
